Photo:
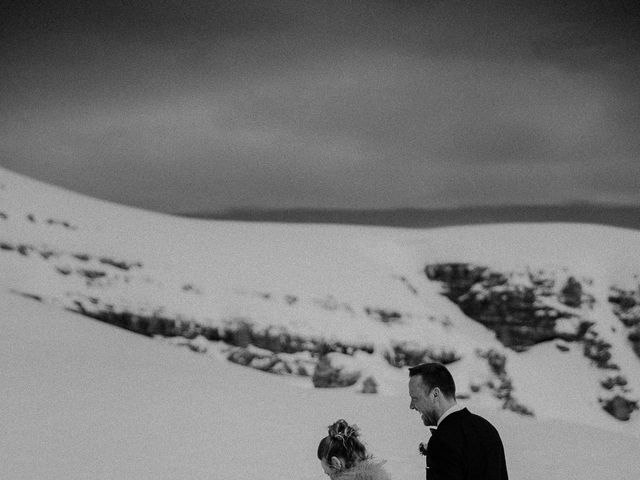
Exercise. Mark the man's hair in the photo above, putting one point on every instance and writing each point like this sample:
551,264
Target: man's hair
435,375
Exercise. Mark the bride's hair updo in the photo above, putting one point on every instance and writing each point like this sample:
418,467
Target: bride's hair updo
342,442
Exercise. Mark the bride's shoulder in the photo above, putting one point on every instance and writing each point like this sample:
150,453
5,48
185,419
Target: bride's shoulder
369,469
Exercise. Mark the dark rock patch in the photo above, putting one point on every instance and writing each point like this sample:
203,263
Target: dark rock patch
514,311
619,407
328,375
405,354
503,386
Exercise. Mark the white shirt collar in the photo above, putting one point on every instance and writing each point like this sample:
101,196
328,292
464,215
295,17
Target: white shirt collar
449,411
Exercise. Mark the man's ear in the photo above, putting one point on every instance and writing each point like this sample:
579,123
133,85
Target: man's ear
336,463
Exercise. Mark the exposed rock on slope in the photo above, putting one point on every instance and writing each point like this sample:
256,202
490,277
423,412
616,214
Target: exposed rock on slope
527,308
521,310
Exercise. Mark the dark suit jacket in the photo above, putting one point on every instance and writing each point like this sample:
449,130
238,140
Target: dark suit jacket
465,447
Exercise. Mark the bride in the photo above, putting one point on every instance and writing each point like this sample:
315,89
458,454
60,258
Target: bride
343,456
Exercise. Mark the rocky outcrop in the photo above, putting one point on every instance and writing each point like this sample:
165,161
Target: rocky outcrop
571,294
383,315
619,407
149,325
270,362
626,306
598,351
239,332
51,221
26,250
403,354
514,309
634,338
369,385
502,386
527,308
120,264
616,381
270,349
331,371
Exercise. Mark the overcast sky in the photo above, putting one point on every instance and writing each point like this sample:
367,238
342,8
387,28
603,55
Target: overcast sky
194,106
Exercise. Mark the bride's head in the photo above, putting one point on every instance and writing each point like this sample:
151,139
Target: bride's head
341,449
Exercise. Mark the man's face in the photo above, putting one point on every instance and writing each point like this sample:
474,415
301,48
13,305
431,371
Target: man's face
422,400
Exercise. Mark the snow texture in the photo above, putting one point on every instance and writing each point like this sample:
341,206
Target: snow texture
82,399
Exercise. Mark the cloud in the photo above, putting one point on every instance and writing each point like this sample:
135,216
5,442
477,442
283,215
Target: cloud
380,103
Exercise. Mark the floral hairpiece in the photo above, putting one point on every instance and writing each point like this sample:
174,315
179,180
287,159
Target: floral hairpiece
342,431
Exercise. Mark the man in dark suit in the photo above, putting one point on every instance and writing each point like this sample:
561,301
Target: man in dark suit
464,446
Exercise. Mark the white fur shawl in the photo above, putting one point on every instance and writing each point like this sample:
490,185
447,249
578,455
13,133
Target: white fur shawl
366,470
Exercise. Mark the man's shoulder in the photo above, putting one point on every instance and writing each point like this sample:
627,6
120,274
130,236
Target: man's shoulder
464,429
458,416
465,417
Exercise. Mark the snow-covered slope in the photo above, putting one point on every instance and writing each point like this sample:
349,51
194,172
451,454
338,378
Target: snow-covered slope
84,400
360,292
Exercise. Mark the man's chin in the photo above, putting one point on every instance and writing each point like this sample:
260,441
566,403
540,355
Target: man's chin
428,421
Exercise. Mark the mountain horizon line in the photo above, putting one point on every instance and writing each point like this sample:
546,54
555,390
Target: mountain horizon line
616,215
